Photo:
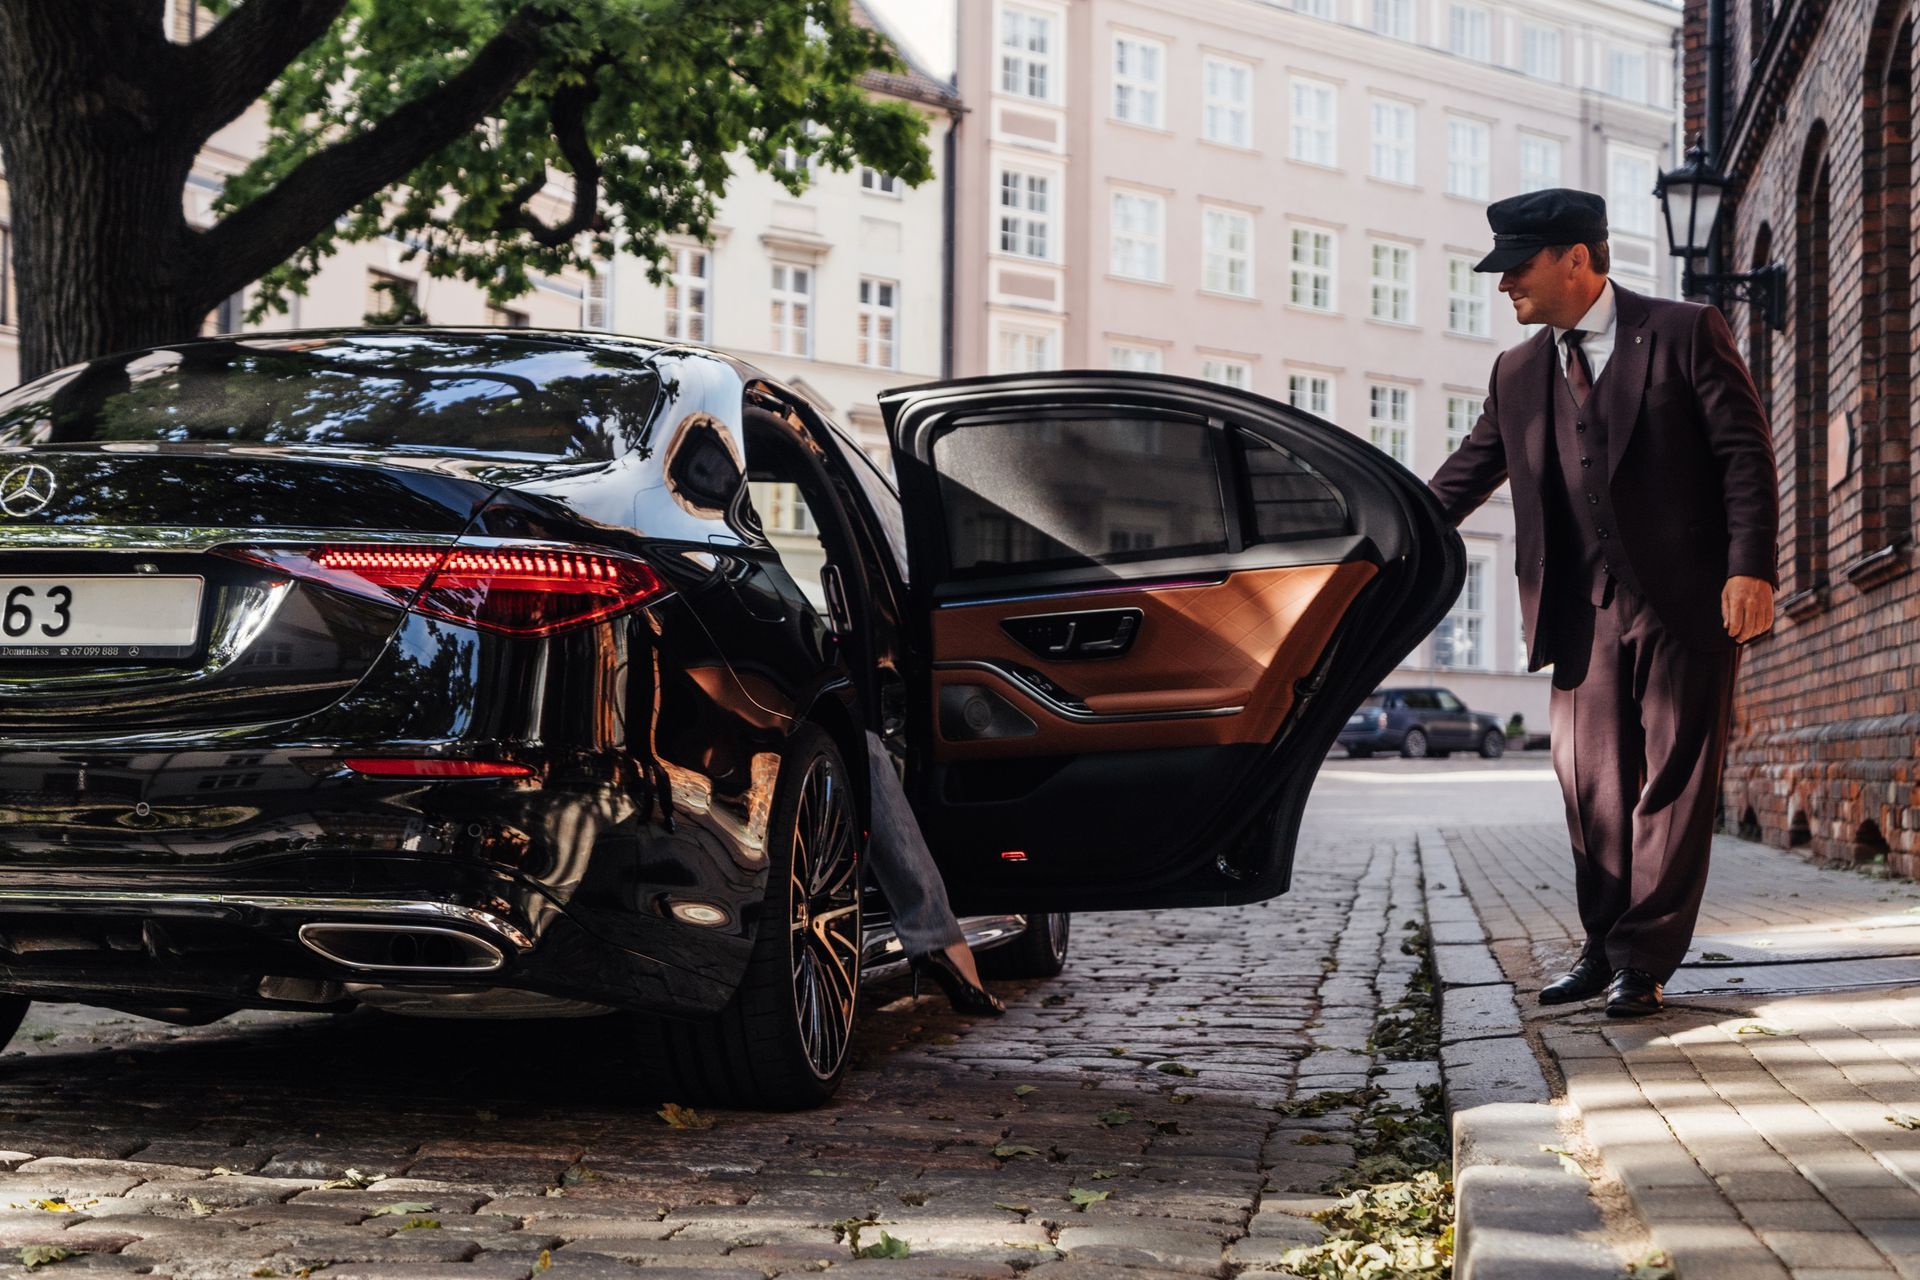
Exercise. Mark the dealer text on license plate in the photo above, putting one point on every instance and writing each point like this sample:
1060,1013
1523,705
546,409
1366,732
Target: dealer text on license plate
100,616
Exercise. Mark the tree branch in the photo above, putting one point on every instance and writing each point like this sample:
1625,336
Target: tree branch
233,64
250,241
568,111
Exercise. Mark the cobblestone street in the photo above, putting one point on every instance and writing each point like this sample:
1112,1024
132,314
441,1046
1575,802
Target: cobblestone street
1119,1116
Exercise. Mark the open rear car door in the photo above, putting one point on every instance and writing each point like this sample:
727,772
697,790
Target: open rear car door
1144,607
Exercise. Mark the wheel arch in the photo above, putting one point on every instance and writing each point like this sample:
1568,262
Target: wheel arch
834,716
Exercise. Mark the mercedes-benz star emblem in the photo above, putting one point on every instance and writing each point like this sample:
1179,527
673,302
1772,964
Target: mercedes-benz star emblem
26,489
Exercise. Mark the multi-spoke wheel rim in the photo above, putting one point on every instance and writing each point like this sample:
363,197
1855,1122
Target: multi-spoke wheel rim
823,911
1057,936
1416,744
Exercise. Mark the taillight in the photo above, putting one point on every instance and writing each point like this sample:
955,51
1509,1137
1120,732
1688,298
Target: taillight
516,589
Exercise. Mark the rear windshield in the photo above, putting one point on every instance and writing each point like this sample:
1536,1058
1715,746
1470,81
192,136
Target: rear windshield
434,391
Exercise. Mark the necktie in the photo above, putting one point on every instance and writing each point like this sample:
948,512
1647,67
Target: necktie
1579,373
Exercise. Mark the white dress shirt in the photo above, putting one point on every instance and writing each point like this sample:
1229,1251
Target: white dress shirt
1597,324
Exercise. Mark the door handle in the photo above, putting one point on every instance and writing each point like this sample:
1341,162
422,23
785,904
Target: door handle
1067,637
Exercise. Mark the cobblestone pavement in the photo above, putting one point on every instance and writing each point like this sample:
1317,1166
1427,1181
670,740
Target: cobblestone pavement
1139,1082
1760,1128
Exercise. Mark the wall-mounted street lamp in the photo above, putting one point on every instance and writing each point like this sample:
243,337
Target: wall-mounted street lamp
1692,199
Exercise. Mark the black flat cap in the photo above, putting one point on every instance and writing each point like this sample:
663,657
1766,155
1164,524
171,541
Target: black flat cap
1523,225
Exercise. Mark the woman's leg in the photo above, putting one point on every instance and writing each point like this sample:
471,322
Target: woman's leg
904,867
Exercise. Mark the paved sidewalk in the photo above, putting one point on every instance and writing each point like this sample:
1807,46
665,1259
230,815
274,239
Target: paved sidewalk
1760,1126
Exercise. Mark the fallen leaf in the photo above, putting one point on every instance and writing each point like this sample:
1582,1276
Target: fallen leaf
485,1117
1651,1266
1118,1051
1176,1069
578,1174
886,1247
1115,1118
420,1224
403,1207
1714,957
1007,1151
679,1117
1762,1029
1905,1121
1013,1208
221,1171
1083,1197
1567,1161
40,1255
198,1207
351,1180
53,1204
944,1038
1053,1002
1022,1090
544,1262
1736,979
1101,1175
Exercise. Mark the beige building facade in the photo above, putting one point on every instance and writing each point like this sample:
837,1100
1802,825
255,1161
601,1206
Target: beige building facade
1290,199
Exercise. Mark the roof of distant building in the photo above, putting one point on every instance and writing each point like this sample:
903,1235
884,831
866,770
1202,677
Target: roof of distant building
916,82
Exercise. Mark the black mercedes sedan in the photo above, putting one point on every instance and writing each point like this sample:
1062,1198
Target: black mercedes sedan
456,672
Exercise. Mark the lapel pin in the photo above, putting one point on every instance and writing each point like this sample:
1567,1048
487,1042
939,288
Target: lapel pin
1636,339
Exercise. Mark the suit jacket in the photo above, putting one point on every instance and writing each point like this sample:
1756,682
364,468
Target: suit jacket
1689,465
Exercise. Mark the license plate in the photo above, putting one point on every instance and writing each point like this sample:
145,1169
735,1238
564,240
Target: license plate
77,616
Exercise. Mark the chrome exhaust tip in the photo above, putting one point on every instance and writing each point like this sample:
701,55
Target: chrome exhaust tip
393,948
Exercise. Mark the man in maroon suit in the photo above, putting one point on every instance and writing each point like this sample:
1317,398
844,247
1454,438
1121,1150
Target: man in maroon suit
1645,510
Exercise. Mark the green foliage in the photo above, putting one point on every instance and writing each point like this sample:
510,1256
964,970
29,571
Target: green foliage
667,94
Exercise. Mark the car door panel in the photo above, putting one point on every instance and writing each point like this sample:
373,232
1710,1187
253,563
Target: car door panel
1278,567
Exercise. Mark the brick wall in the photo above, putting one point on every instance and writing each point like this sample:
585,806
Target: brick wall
1827,718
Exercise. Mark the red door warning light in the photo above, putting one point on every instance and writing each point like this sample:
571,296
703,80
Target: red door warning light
1013,855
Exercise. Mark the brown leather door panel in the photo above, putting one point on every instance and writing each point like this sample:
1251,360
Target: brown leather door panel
1233,648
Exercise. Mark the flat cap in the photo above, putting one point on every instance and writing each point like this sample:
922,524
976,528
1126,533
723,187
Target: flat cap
1523,225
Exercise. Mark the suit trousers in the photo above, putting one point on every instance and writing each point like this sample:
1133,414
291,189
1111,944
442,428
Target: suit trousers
1639,722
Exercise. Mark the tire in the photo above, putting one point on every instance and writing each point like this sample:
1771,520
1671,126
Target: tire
1037,951
13,1009
1359,753
1414,745
783,1041
1493,745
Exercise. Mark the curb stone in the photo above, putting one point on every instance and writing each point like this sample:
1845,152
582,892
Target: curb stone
1518,1213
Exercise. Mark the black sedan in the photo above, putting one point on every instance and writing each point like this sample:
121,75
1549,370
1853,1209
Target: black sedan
1419,723
454,672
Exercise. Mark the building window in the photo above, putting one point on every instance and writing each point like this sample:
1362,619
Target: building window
392,299
1237,374
1468,149
1312,392
792,160
1539,163
879,322
1393,18
1134,359
881,184
1390,421
792,302
596,307
1227,112
1630,192
1026,214
1025,351
506,318
1313,122
1812,337
1392,297
1457,641
6,275
1540,52
1311,269
1627,74
1226,252
186,21
1314,8
1470,32
687,294
1468,299
1138,70
1392,157
1139,223
1462,413
1888,344
1026,54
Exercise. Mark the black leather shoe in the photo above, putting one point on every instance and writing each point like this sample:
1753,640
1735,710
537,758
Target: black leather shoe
1584,981
1633,994
964,996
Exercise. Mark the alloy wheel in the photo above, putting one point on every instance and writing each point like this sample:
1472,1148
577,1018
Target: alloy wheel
1415,745
824,918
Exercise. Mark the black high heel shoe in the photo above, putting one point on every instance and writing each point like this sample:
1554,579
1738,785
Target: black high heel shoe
964,996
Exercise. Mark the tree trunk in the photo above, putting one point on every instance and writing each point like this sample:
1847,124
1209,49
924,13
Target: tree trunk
96,172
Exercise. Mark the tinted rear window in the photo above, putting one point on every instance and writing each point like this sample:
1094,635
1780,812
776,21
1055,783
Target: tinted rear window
1032,493
480,393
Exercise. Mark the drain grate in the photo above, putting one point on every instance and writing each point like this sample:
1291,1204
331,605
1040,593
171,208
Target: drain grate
1795,977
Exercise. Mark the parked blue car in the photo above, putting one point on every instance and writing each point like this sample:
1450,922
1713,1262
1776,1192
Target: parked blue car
1419,723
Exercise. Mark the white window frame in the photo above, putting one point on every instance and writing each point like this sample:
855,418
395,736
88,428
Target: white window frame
1469,157
1313,134
1227,372
792,336
1393,18
1027,222
1315,8
1310,283
1390,293
877,339
596,300
1469,298
1630,203
1023,64
1463,410
1535,176
1473,609
683,282
875,182
1394,126
1134,357
1033,341
1540,52
1391,432
1311,392
1139,89
1470,31
1223,265
1226,118
1138,250
1627,72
